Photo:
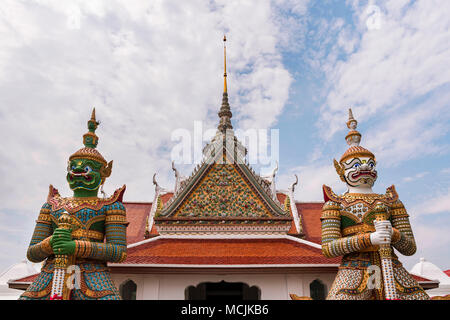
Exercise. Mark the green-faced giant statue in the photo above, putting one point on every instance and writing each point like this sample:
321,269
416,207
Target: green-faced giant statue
77,236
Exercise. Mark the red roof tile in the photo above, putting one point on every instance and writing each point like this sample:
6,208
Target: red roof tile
29,278
226,251
137,213
281,197
447,272
166,197
310,214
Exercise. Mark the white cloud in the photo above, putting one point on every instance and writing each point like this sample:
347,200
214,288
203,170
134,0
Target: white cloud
416,176
439,203
431,239
147,67
392,66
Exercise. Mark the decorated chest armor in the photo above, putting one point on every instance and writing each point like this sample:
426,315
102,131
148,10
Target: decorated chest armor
363,227
81,233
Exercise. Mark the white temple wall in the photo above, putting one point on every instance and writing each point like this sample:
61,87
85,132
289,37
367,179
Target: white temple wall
272,286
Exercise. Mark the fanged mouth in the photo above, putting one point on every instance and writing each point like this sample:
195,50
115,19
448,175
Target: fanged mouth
363,173
82,174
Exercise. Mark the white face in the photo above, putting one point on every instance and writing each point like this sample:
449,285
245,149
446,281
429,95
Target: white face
360,172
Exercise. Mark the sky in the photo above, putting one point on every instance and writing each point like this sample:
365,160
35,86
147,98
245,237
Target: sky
152,67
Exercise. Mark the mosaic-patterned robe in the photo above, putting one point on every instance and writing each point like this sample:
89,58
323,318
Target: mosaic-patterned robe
347,222
99,231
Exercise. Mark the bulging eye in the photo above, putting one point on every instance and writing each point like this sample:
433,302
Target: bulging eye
371,165
72,167
356,165
87,169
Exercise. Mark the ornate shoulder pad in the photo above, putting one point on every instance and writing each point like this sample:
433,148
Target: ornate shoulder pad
396,206
391,194
331,210
75,204
328,194
117,196
52,193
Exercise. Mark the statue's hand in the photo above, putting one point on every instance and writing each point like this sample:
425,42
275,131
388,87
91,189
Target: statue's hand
384,225
61,242
382,235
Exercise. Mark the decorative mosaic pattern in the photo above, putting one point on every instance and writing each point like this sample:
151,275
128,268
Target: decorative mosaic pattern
348,285
223,193
406,286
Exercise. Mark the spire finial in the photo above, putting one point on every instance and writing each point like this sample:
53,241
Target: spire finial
90,139
93,114
351,123
353,137
225,112
224,64
93,123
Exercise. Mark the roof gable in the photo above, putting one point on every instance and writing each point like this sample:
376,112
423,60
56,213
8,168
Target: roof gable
224,191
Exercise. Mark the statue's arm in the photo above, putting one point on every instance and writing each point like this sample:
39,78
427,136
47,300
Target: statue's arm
114,249
333,244
402,236
40,248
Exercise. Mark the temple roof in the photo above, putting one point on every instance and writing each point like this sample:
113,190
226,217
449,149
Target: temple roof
137,213
310,216
225,251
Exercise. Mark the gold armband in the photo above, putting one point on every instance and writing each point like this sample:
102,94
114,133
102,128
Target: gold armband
330,214
44,217
116,218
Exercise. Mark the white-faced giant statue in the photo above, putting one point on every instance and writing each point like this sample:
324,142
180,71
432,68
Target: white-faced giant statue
364,228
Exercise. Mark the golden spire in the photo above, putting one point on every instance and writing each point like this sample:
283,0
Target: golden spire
224,64
225,112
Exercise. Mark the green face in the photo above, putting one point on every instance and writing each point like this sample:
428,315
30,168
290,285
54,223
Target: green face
83,176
